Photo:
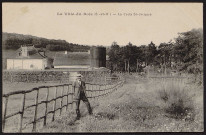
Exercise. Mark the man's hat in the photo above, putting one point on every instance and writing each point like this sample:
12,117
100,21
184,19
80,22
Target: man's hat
79,75
75,74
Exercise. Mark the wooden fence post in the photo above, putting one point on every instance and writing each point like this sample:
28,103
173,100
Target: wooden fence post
105,89
99,89
35,114
92,91
37,78
22,112
5,110
112,88
88,92
11,78
102,92
72,89
67,97
27,77
96,91
109,88
61,100
46,105
95,88
54,105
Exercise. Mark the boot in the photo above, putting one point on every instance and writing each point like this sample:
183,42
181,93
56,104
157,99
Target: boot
90,111
89,108
78,114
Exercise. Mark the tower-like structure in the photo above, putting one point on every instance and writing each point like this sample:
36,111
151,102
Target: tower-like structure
98,56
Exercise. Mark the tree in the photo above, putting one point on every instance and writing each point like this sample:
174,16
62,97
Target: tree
114,54
189,51
151,53
129,55
165,54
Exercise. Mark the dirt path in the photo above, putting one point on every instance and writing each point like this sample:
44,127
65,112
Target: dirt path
133,107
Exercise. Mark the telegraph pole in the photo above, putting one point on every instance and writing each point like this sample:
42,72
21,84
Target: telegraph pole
128,66
137,66
165,64
125,65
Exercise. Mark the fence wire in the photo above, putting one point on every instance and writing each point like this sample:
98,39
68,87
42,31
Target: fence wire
93,90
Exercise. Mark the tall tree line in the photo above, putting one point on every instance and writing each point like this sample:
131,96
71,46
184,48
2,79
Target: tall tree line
14,41
185,53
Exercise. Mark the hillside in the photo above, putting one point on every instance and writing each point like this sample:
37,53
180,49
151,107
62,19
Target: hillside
13,41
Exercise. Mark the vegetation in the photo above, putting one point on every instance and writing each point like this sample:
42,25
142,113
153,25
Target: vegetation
136,107
139,105
184,54
14,41
177,101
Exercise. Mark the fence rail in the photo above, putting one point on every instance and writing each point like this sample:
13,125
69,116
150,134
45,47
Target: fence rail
162,79
92,90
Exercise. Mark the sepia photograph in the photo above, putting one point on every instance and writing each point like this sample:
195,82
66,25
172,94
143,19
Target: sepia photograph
102,67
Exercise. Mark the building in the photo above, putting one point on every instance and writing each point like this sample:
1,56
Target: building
98,57
95,58
28,58
72,60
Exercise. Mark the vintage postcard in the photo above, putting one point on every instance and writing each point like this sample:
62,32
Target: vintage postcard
102,67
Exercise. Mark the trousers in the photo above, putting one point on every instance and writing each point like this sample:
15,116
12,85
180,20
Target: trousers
85,100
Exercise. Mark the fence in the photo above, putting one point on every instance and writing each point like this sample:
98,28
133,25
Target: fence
92,90
162,79
61,76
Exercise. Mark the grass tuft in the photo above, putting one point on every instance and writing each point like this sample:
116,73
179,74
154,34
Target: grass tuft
177,100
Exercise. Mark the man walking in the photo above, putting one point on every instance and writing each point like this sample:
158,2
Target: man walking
80,94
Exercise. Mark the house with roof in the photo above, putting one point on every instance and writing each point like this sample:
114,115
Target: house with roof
72,60
28,58
94,58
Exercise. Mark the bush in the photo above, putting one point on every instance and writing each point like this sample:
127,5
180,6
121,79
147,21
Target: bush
177,101
196,78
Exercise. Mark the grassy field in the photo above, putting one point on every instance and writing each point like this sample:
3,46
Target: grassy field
136,107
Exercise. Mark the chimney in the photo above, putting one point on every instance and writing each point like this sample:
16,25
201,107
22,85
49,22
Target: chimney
24,51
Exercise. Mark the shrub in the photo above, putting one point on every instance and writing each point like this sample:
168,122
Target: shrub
177,101
196,78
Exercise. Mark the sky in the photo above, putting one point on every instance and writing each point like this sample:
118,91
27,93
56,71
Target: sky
161,23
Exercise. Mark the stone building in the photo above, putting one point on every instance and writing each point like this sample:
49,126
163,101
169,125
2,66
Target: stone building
28,58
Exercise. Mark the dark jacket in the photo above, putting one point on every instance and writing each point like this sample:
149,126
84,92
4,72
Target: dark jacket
77,88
